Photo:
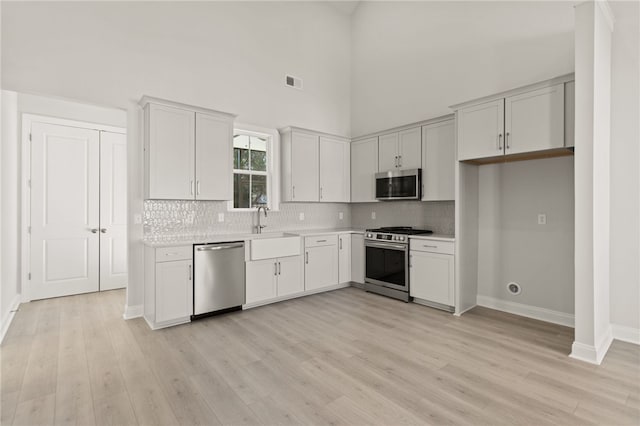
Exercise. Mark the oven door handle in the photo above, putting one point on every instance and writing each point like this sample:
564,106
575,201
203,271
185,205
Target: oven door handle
399,247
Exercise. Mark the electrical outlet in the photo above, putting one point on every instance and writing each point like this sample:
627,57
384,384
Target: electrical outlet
137,218
220,217
301,217
341,215
373,215
542,219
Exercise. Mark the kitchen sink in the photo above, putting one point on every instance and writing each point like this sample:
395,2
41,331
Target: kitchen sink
274,244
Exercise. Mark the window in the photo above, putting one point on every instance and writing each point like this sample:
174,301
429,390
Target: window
251,169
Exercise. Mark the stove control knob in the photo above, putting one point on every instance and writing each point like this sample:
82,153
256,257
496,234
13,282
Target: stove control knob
401,238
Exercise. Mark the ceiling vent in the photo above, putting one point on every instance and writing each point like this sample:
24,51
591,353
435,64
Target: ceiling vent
292,81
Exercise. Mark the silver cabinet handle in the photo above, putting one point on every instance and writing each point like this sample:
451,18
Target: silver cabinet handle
197,187
426,246
103,230
340,241
306,257
293,192
189,272
279,269
506,139
396,161
399,160
321,241
191,187
321,193
275,268
499,141
94,230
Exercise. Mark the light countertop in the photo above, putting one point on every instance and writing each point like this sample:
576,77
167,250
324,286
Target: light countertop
436,237
224,238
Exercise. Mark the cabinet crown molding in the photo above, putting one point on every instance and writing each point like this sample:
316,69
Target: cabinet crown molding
289,129
435,120
145,100
523,89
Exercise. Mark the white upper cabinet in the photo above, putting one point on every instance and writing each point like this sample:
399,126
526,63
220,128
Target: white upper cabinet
187,152
481,130
410,148
534,121
400,150
388,152
438,161
214,136
315,167
364,166
335,168
169,152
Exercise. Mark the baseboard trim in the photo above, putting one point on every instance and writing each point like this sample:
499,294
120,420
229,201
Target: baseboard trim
626,334
592,354
528,311
458,314
8,317
131,312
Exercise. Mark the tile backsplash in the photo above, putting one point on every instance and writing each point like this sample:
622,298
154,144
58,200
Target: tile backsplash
165,220
439,216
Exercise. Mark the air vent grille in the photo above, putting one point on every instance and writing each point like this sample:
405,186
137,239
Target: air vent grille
292,81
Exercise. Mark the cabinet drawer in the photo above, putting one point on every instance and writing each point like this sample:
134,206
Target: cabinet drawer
321,240
167,254
432,246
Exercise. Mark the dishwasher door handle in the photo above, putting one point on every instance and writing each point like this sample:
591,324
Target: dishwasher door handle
223,247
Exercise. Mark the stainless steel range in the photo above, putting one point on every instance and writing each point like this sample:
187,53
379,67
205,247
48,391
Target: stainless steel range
387,260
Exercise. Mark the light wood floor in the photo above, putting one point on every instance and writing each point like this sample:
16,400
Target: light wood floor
344,357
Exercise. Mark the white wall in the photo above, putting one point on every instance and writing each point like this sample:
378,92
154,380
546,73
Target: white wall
411,60
229,56
625,175
513,247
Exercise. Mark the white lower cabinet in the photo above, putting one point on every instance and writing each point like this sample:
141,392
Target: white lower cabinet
357,258
431,273
168,290
344,258
271,278
321,262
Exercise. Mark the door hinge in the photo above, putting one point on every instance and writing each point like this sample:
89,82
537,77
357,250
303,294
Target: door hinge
29,276
29,183
29,137
28,229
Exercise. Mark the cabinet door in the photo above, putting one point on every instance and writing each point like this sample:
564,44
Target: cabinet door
290,278
431,277
260,280
171,145
174,290
344,258
534,121
410,149
364,166
357,258
438,161
321,267
214,138
388,152
305,167
334,170
480,130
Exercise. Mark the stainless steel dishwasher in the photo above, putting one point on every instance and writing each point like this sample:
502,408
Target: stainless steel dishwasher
218,278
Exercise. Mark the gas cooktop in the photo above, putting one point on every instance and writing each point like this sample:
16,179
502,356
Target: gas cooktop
401,230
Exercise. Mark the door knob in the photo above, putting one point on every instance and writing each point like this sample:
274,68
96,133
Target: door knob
103,230
94,230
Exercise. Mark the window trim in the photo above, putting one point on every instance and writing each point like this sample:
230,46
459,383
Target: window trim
273,165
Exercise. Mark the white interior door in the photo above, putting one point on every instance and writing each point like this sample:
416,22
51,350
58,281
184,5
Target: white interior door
64,246
113,210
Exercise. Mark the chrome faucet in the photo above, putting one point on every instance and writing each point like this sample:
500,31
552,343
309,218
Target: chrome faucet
259,227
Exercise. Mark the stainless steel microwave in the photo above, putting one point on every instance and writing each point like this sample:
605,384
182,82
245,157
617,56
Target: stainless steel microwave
399,185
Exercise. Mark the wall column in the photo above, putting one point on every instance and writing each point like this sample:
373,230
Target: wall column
593,34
